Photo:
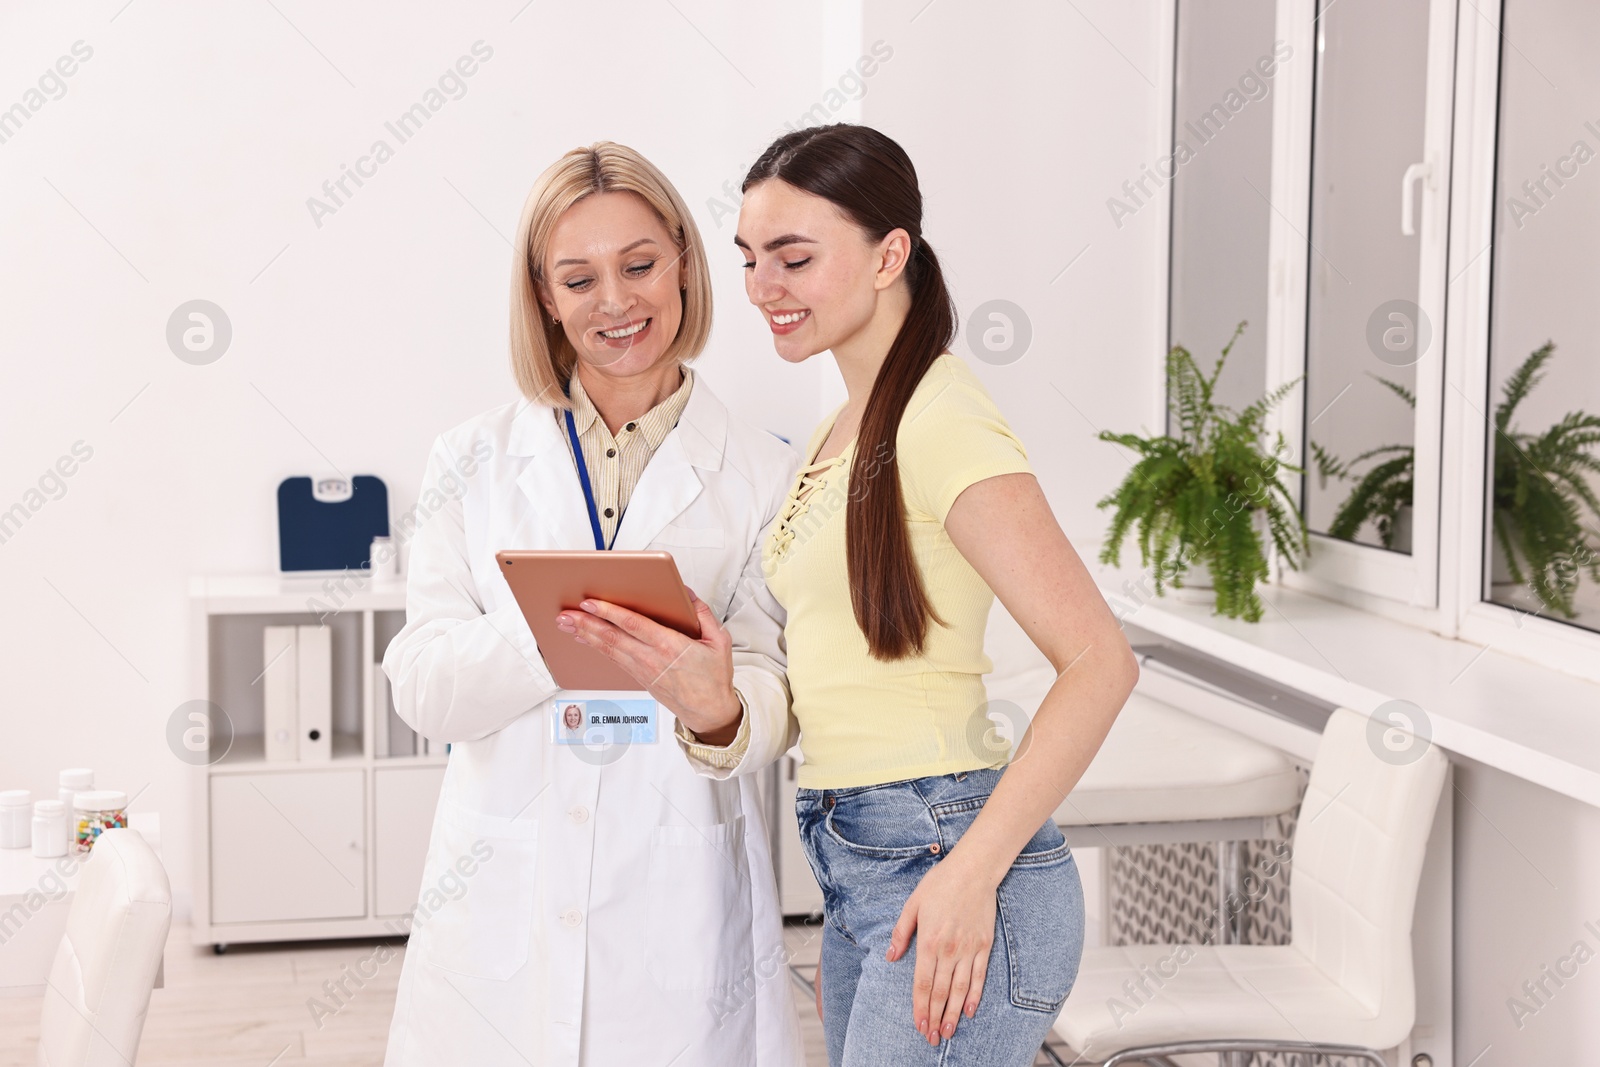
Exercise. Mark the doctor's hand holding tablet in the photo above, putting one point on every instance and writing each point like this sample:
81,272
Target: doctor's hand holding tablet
625,621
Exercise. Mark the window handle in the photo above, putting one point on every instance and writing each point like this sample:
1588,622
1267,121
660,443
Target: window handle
1408,196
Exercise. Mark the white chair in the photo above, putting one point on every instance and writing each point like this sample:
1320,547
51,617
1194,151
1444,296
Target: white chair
100,983
1344,985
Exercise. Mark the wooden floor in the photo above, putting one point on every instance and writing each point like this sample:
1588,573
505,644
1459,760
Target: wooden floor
248,1008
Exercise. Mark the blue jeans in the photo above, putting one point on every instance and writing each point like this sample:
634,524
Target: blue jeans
869,846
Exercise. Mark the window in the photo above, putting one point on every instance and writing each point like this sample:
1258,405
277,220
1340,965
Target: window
1541,405
1365,330
1432,210
1359,256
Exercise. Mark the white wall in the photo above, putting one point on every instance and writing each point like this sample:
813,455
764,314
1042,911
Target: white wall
177,164
1527,910
1022,120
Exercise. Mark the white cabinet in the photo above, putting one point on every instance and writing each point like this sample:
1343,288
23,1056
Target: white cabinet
291,850
405,798
288,846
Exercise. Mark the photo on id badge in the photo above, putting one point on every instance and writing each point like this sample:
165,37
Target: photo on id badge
597,721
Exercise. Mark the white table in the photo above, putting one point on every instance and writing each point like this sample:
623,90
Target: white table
35,897
1165,776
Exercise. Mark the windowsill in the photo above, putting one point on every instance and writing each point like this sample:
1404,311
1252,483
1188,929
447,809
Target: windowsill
1529,721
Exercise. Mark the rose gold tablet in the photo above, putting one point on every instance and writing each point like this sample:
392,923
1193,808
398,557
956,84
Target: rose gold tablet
546,582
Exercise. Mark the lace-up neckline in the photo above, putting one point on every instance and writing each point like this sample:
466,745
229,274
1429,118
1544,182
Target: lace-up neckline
812,479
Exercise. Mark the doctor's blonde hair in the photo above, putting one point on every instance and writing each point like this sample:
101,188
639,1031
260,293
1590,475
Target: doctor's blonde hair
541,356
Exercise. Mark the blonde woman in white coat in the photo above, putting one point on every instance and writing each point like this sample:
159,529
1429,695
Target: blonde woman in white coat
583,906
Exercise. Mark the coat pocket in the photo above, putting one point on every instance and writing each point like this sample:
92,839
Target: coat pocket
699,910
475,910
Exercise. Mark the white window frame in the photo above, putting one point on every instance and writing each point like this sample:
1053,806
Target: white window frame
1410,582
1467,475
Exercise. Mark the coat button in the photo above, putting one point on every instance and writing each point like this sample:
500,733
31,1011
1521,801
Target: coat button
609,513
572,917
579,815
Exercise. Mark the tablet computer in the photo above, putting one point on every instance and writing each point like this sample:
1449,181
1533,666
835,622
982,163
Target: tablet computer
546,582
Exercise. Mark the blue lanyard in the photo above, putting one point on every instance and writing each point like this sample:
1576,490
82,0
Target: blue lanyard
588,487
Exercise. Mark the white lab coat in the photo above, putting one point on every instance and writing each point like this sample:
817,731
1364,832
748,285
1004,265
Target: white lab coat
609,911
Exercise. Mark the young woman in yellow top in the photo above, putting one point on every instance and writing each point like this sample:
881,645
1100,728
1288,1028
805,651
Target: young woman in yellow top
948,889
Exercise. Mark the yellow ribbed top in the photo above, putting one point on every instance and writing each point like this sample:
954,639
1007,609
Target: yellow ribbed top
864,721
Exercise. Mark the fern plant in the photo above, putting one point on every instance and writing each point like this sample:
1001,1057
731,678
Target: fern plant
1382,491
1193,496
1541,492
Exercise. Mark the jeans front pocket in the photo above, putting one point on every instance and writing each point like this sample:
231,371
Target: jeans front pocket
1041,915
884,822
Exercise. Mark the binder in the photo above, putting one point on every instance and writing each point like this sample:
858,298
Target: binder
280,724
314,655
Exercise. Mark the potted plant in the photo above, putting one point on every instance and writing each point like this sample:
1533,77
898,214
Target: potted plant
1206,494
1383,495
1541,493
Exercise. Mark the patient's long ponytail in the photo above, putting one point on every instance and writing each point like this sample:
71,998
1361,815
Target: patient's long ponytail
870,178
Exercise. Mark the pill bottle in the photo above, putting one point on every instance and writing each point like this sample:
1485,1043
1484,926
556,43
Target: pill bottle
96,811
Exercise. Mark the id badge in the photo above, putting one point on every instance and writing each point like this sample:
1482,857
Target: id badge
599,720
